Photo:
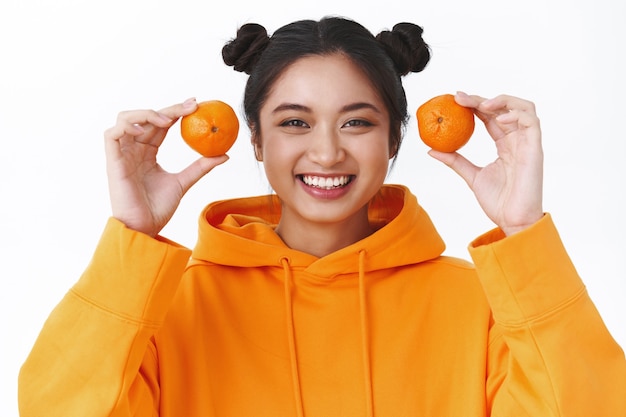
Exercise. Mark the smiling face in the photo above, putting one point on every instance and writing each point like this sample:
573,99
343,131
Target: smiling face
324,142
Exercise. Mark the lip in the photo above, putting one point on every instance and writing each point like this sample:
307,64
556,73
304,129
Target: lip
323,192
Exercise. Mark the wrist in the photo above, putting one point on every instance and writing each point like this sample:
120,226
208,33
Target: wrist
511,230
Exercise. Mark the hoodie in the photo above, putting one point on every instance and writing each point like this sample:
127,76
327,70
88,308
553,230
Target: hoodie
384,327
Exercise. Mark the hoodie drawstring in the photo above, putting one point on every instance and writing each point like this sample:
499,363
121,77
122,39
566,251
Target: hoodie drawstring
293,356
365,338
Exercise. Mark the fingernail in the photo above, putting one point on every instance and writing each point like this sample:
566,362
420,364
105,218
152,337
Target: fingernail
190,102
165,118
506,117
461,94
138,128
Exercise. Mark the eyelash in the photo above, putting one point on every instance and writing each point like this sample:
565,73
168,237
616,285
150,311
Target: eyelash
359,123
294,123
350,123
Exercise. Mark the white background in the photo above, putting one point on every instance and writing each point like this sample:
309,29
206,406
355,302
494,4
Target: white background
68,67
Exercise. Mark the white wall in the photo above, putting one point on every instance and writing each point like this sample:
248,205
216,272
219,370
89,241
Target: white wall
68,67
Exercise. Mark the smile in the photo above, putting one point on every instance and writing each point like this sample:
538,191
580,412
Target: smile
326,183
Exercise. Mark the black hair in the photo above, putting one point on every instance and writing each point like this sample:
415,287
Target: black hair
384,58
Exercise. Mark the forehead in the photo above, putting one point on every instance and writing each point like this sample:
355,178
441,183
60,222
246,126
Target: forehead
329,79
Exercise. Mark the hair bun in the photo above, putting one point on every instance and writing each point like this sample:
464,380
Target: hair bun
243,52
406,47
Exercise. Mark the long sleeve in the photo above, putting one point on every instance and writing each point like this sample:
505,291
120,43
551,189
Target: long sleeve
86,360
551,353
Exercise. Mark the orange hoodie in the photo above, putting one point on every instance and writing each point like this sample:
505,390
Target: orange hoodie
384,327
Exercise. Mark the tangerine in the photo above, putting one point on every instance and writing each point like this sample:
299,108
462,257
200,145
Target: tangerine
443,124
212,129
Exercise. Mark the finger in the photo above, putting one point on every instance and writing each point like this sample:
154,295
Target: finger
459,164
182,109
111,144
505,103
143,118
126,136
117,136
131,121
198,169
521,118
466,100
526,123
141,125
121,129
473,102
157,123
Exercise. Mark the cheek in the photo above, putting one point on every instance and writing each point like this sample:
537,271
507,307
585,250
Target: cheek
378,158
381,164
278,160
271,153
378,153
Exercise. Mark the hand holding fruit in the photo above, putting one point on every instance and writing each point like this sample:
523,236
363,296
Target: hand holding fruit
443,124
143,195
510,188
211,130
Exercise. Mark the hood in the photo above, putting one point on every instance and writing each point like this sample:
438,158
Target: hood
248,225
241,232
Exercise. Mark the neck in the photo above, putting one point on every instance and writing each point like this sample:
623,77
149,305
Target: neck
321,239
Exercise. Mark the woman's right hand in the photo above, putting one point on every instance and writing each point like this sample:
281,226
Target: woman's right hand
143,195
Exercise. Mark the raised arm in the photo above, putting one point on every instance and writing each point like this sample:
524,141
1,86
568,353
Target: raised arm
551,353
94,355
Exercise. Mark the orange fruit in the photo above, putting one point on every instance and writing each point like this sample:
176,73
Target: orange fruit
212,129
443,124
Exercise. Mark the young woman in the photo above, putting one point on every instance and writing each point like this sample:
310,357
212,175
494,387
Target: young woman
330,298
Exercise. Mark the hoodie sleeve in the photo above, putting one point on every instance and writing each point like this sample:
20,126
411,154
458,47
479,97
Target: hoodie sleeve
94,355
551,354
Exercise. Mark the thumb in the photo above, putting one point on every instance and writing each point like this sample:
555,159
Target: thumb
198,169
458,163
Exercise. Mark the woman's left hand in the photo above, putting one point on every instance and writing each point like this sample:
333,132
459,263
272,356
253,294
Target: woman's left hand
509,189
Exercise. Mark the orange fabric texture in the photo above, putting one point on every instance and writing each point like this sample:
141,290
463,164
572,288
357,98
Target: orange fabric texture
384,327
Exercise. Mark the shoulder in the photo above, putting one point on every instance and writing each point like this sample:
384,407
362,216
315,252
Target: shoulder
454,263
445,277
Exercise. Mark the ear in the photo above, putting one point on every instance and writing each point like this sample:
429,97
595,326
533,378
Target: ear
395,138
256,143
393,150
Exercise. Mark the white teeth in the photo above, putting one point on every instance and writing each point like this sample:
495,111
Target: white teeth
325,182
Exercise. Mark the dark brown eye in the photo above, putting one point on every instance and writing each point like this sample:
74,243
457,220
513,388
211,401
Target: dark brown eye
357,123
294,123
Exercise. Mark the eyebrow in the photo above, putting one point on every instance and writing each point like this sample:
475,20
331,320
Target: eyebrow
359,106
344,109
291,106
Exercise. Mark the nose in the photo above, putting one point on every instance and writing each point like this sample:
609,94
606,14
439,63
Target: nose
326,148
